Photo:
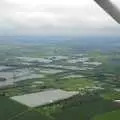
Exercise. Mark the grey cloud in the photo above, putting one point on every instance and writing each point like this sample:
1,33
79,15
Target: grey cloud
18,17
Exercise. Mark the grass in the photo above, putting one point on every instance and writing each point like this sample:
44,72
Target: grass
9,108
71,84
84,111
111,95
114,115
31,115
76,84
76,110
98,110
97,55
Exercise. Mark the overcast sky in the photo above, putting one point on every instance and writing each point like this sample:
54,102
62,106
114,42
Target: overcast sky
55,17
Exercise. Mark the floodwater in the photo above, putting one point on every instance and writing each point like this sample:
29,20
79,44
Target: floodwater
50,71
43,98
4,68
74,76
78,60
30,59
19,75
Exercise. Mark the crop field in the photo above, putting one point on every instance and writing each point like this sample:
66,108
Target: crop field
9,108
71,84
84,110
89,108
114,115
112,95
90,68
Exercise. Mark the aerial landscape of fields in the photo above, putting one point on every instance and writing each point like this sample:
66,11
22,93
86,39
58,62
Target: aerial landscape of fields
59,59
72,78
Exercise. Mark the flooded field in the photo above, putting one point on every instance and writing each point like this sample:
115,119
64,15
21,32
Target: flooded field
30,68
29,59
74,76
19,75
68,67
4,68
58,57
43,98
50,71
31,76
8,76
59,77
93,63
78,60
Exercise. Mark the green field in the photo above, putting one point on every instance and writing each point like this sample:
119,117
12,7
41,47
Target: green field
111,95
71,84
93,105
76,83
114,115
77,108
84,109
9,108
31,115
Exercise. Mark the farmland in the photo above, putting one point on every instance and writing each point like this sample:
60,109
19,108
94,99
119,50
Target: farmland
110,115
86,108
43,98
90,69
9,108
